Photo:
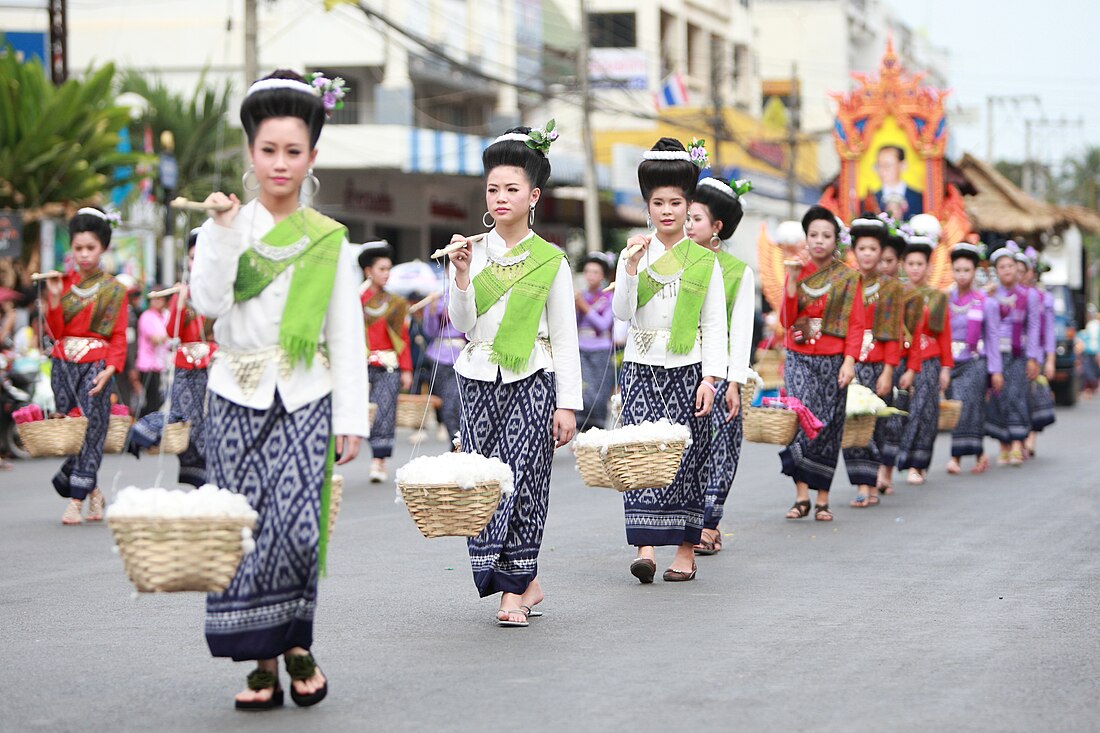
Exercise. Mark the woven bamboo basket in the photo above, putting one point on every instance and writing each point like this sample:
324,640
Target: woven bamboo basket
770,425
173,439
633,466
163,555
372,410
858,431
336,495
950,412
118,427
55,437
447,510
770,368
590,466
412,409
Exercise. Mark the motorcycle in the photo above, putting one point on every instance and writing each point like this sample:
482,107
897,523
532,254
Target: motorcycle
19,378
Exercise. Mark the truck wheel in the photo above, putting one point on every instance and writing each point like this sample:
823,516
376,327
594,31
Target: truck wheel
1066,393
10,442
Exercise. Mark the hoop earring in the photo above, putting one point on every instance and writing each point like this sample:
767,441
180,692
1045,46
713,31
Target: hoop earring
531,217
714,238
244,180
488,224
314,184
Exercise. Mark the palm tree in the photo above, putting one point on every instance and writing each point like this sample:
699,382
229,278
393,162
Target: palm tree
58,145
1081,181
207,149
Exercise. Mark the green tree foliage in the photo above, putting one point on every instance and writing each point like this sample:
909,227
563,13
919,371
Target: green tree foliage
58,145
207,149
1081,180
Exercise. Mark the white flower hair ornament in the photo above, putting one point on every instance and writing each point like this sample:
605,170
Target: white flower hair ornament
331,91
697,153
540,138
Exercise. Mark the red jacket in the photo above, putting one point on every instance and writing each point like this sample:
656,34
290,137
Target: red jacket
825,344
113,348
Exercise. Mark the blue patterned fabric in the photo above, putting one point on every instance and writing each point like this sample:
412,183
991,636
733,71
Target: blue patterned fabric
915,450
813,380
1041,403
277,461
672,514
189,399
384,387
446,388
512,422
1007,414
71,383
969,382
724,455
597,380
892,427
862,463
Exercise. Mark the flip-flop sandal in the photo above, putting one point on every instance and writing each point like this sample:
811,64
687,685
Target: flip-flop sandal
861,501
505,623
531,612
872,500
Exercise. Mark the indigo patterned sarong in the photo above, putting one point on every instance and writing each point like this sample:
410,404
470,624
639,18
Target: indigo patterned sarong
71,383
512,422
277,461
1041,402
969,381
915,450
894,426
862,463
597,379
384,386
1007,415
672,514
725,454
445,387
813,380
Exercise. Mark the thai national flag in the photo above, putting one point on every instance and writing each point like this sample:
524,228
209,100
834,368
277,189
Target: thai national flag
672,93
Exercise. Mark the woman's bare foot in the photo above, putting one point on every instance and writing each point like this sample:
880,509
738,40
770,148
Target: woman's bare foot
314,683
72,512
532,596
915,478
684,561
953,466
510,610
250,695
982,465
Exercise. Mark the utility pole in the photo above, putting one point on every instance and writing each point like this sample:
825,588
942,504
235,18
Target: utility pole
794,124
1030,182
592,235
718,122
59,42
251,61
995,99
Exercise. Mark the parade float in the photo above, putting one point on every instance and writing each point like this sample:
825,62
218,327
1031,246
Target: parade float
891,136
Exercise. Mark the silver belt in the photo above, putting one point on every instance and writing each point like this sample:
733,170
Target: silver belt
958,347
644,337
76,348
487,345
194,351
247,367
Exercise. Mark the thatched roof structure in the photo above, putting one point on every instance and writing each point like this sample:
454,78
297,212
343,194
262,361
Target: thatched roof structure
1000,205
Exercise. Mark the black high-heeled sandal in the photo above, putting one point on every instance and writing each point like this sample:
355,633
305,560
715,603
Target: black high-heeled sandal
261,679
303,667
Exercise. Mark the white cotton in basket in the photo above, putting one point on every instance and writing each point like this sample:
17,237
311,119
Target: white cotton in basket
206,501
660,431
862,401
464,469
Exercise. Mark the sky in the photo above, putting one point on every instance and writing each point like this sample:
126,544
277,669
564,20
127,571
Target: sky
1008,47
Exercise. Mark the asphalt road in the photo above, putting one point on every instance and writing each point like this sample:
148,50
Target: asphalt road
968,604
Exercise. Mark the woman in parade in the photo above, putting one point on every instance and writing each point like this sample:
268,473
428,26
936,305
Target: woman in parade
288,391
1012,315
713,217
822,313
594,325
86,316
671,292
188,391
445,344
520,376
893,250
1040,396
879,352
389,354
969,376
928,361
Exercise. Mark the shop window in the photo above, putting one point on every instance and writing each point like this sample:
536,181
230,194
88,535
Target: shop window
612,30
